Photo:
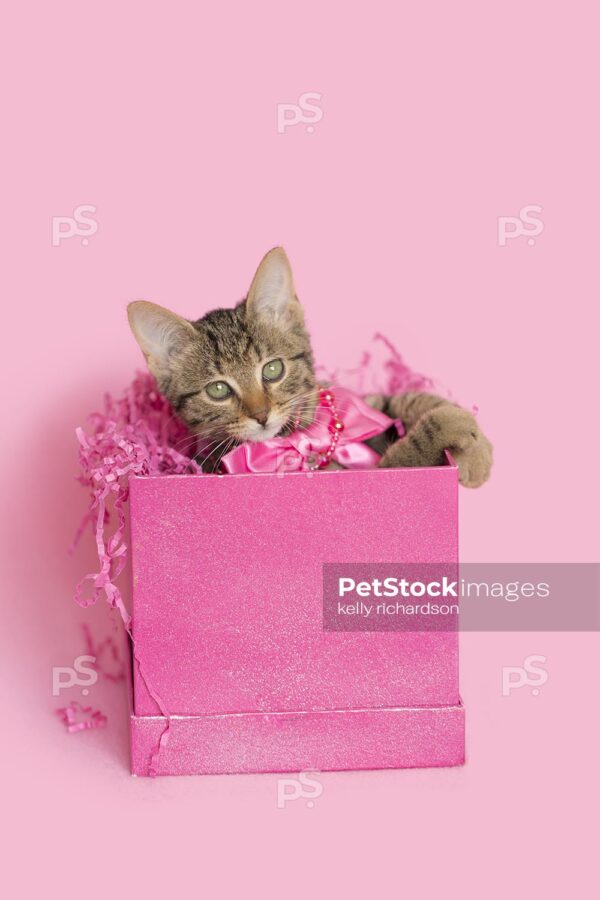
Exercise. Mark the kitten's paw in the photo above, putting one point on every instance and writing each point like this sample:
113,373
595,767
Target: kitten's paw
446,427
456,430
450,428
474,465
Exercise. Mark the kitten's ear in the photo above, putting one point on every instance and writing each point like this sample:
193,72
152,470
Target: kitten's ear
272,294
159,333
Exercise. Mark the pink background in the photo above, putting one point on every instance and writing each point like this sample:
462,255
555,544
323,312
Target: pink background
438,119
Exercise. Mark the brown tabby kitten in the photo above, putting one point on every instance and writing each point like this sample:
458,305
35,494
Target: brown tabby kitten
247,374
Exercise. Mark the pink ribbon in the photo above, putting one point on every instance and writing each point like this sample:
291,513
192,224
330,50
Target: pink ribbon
300,451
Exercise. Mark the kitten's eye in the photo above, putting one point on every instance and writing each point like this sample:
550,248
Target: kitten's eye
218,390
273,370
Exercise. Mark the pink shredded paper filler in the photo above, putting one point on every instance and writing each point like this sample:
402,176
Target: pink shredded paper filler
79,718
135,435
107,656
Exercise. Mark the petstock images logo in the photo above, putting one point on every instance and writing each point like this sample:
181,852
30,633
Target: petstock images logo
470,597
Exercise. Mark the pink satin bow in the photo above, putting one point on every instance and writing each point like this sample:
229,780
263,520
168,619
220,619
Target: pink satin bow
300,451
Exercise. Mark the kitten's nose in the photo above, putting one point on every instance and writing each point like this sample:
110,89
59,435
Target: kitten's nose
261,416
257,407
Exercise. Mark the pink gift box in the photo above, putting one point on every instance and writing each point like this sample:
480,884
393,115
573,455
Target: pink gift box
228,624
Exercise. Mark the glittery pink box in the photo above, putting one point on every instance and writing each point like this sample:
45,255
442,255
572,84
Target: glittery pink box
227,613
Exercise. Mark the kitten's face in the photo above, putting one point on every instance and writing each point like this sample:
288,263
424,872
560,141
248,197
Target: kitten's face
243,374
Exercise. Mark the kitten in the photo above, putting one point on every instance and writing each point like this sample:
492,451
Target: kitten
247,374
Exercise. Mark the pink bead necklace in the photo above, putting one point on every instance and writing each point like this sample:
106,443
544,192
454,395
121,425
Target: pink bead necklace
335,428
